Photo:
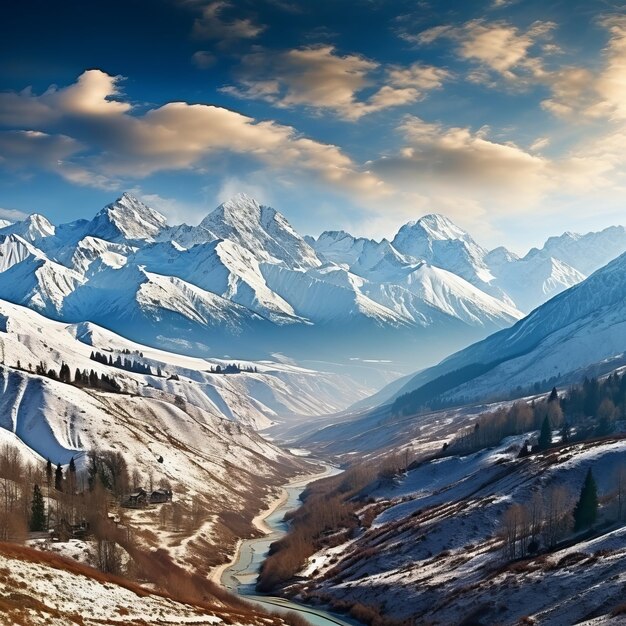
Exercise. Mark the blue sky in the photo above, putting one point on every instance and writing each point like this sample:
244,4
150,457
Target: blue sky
509,116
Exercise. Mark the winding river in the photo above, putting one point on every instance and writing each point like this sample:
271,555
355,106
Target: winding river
240,576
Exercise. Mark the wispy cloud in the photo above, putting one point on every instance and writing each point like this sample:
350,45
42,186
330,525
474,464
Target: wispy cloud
218,22
319,78
12,215
594,94
497,48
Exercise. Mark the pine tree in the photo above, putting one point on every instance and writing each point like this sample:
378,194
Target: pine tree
545,436
58,478
71,476
586,510
37,511
554,396
48,473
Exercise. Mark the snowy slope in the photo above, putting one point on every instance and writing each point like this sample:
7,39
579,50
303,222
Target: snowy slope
275,390
338,246
126,219
586,253
28,277
45,589
437,240
244,282
534,279
433,551
33,229
582,326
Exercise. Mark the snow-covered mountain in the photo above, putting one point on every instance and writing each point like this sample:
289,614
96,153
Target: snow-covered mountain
180,421
126,219
583,327
244,282
33,229
261,230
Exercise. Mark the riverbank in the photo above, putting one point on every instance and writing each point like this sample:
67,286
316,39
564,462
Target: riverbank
260,521
240,574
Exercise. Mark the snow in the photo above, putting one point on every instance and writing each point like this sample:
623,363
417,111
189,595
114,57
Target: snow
61,596
433,551
245,283
581,328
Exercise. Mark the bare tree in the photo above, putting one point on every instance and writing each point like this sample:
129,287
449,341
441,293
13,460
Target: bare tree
557,514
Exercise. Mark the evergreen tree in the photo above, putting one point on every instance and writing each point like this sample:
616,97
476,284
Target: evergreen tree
554,396
545,436
78,377
565,433
58,478
37,511
71,476
49,473
586,510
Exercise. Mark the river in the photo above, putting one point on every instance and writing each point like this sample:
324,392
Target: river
240,576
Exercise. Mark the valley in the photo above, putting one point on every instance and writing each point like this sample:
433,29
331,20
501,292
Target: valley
313,313
168,452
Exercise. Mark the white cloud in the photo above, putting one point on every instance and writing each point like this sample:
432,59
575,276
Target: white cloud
111,143
498,47
436,160
319,78
93,94
539,144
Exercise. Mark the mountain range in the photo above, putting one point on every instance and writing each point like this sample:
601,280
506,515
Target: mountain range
243,282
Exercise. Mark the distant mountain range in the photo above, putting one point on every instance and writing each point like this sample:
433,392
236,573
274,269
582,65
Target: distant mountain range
579,332
243,282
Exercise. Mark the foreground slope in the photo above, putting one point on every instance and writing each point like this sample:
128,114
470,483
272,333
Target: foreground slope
42,588
429,544
182,423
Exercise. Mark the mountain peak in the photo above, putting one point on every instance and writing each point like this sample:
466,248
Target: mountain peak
416,238
34,228
127,218
239,207
439,227
261,230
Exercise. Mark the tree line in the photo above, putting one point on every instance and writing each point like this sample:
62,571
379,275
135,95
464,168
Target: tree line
82,378
130,365
233,368
589,409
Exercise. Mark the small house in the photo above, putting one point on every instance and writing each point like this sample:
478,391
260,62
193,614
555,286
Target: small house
158,496
136,500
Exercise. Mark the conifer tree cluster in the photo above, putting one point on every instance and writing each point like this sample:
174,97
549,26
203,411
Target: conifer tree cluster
233,368
91,379
82,378
130,365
